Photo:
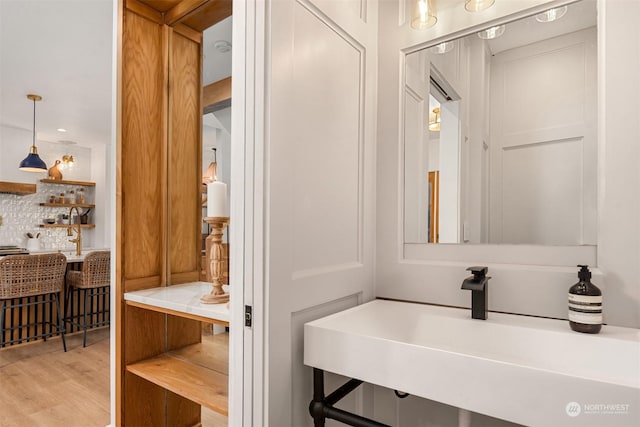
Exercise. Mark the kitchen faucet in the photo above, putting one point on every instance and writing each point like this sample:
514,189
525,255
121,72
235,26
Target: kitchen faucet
78,239
478,284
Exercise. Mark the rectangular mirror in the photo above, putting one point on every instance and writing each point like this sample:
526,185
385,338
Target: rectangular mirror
500,136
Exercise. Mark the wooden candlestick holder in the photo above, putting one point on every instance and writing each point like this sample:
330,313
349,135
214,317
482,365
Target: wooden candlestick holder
215,258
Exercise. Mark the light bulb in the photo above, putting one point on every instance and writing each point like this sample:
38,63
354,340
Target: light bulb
424,15
443,47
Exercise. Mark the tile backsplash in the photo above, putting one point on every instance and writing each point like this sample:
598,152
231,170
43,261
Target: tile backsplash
23,214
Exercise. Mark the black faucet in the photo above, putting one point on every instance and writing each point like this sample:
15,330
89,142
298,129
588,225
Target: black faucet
478,284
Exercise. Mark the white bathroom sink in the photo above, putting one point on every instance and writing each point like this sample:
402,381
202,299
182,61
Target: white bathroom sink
522,369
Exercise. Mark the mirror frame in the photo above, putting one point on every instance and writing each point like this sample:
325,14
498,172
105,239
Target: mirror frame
520,254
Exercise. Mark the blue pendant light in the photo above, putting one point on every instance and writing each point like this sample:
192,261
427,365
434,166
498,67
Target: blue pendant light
33,162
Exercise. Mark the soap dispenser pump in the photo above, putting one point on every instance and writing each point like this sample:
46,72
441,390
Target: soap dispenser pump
585,304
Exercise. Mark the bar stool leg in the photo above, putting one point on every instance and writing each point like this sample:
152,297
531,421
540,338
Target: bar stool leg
67,306
60,323
2,331
84,325
46,304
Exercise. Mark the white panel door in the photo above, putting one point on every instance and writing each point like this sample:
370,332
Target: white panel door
320,117
543,99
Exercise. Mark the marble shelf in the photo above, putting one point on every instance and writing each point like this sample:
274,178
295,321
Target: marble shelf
180,300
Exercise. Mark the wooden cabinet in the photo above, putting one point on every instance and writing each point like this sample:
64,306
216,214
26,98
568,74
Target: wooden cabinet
159,380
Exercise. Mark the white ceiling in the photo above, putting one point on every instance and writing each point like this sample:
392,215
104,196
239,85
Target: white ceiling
62,51
525,31
216,65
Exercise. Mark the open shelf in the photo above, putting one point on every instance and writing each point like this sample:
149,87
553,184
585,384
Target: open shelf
66,225
68,205
62,181
204,386
19,188
198,372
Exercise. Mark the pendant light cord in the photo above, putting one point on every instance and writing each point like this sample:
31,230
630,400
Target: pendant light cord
34,122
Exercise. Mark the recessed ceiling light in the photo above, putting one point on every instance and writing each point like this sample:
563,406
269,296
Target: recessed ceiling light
62,130
492,33
222,46
478,5
443,47
551,14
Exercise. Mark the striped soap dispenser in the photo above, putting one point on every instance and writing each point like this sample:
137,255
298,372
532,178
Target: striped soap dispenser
585,304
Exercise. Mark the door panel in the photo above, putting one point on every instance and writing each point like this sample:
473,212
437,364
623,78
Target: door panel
320,184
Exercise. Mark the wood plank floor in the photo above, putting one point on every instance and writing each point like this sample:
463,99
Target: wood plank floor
42,386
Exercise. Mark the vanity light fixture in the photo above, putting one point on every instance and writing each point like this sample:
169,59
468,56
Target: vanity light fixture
434,120
492,33
423,15
211,174
478,5
551,14
33,162
443,47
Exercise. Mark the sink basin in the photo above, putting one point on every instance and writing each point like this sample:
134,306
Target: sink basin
523,369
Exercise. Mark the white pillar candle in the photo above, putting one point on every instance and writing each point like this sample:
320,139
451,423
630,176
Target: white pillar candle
217,199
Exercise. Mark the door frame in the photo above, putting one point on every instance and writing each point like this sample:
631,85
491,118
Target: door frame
246,239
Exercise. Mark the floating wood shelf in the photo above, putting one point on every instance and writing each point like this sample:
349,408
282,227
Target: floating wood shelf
68,205
183,372
66,225
58,181
19,188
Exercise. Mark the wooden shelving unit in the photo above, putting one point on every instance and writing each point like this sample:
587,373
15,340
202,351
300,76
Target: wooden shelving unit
198,372
68,205
65,182
66,225
154,339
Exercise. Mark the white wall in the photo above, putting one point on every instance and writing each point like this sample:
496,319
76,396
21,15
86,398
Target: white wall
426,274
101,173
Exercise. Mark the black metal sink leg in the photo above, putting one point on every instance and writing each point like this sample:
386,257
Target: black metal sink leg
321,407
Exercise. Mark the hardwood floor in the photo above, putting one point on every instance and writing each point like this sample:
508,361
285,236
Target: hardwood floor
42,386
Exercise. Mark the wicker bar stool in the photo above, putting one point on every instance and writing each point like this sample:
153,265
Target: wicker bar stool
93,280
25,276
